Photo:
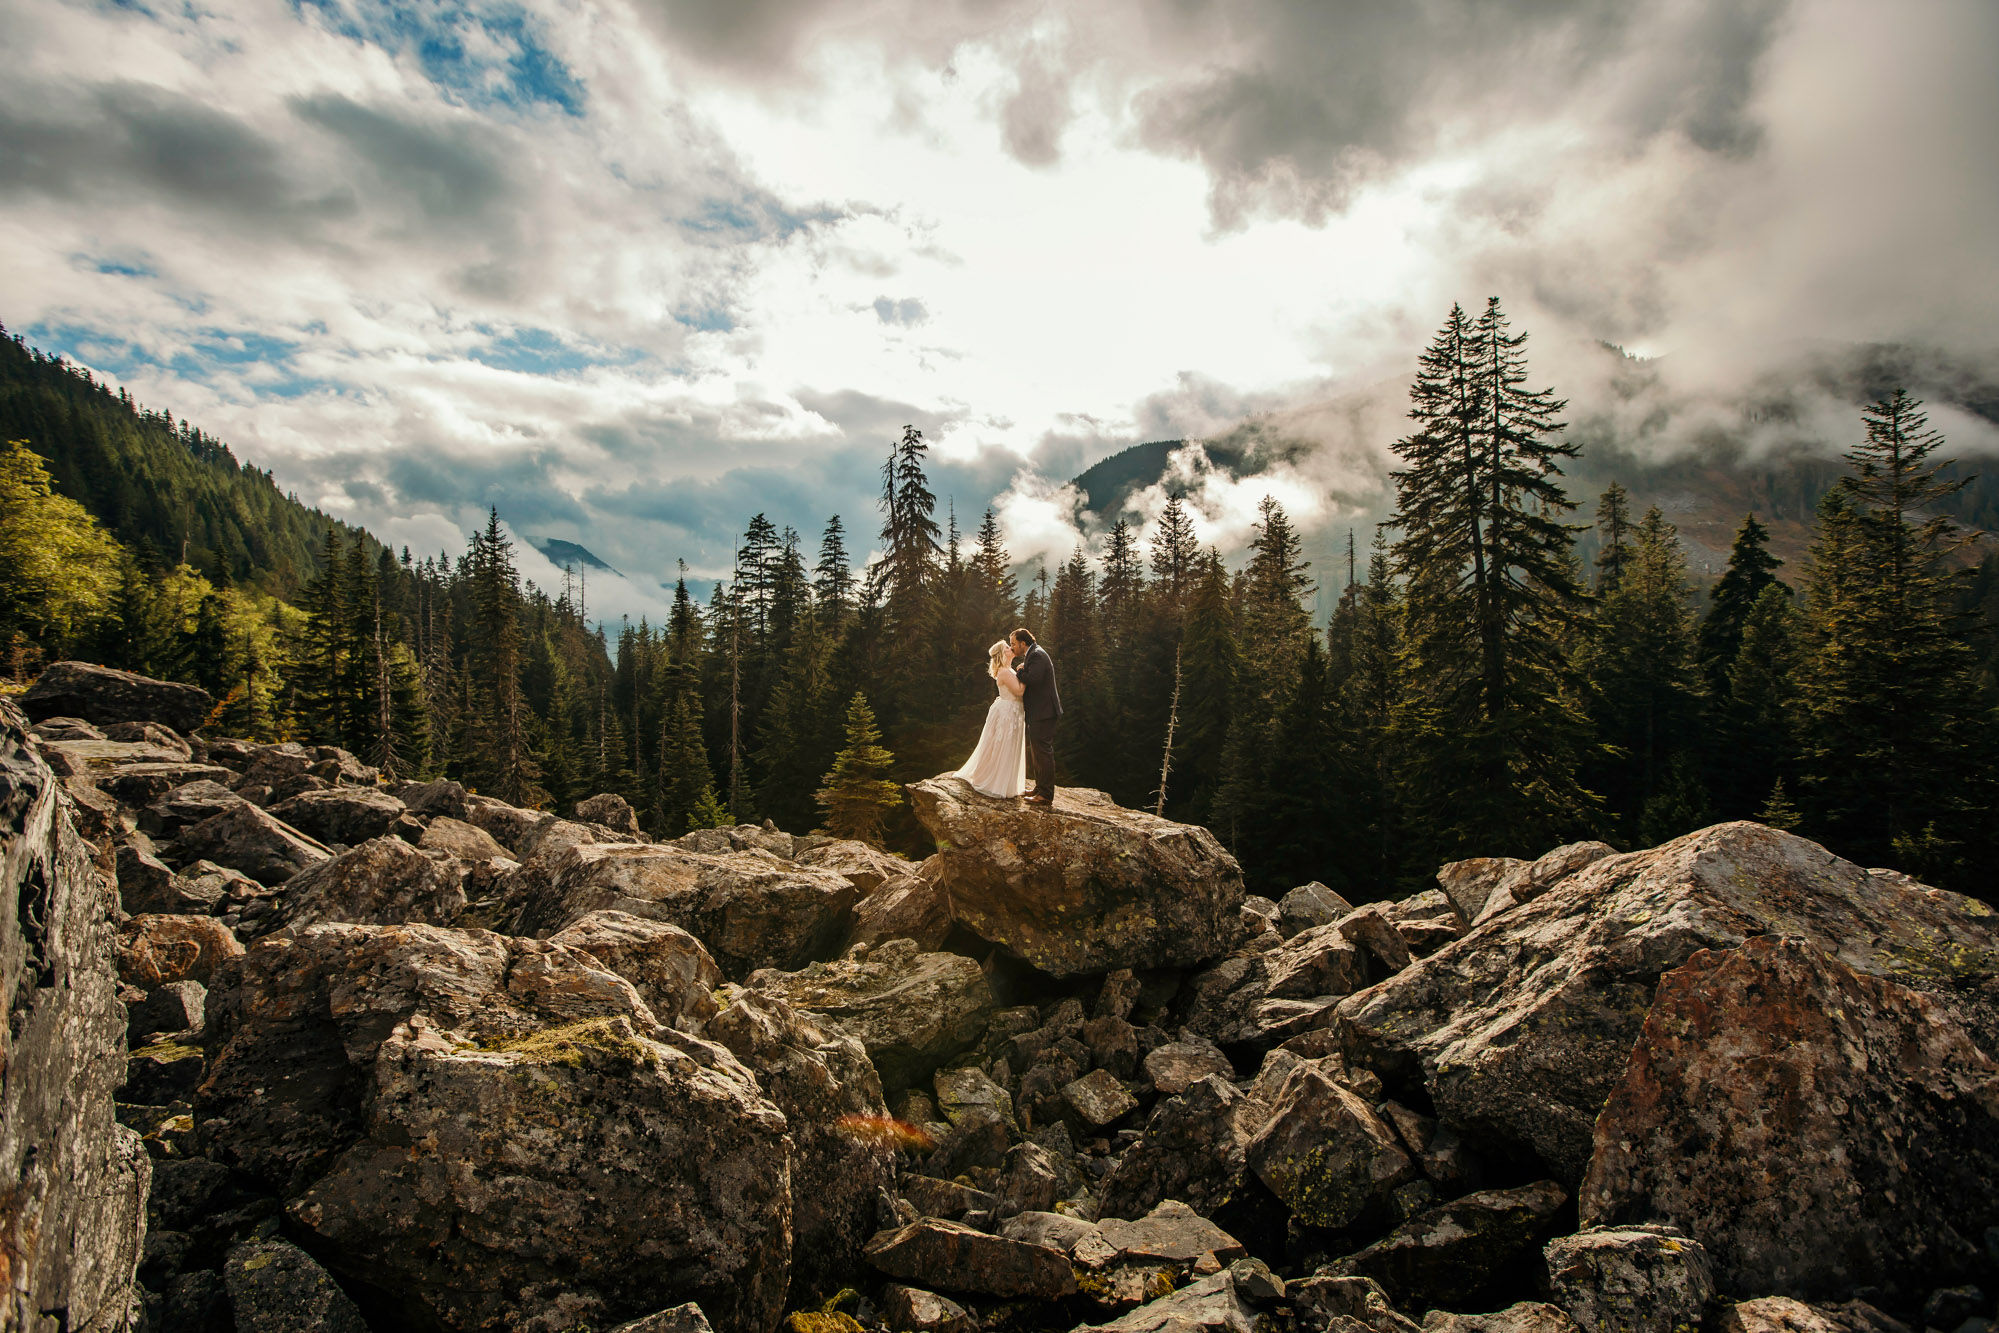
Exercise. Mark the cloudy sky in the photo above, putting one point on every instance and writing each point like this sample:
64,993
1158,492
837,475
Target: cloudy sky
633,270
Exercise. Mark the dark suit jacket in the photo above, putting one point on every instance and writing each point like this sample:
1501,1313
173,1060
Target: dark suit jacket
1037,678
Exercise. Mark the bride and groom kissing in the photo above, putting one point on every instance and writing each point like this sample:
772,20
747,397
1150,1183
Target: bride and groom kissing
1021,722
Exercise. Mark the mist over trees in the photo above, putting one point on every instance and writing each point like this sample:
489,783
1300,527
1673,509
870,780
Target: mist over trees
1477,689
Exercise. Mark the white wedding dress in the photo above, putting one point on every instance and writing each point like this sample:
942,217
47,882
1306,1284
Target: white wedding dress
998,767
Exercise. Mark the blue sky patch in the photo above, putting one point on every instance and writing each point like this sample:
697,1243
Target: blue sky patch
212,352
454,44
544,352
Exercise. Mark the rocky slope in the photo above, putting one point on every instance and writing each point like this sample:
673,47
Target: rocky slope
403,1056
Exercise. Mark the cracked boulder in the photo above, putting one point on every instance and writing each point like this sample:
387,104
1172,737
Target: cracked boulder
383,882
1084,886
1817,1129
751,909
913,1010
1520,1029
480,1127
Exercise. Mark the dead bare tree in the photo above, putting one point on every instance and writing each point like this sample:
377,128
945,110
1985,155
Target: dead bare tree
1172,722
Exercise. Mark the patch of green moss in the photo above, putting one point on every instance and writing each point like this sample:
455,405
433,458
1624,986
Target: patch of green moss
570,1044
812,1321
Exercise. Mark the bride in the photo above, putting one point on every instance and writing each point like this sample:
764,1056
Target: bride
998,767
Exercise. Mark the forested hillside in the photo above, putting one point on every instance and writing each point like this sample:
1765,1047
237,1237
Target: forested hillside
1486,686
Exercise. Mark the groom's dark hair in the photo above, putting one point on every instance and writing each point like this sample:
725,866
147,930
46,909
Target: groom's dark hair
1026,636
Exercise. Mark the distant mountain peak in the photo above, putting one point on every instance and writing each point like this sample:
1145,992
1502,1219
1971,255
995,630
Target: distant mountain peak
563,554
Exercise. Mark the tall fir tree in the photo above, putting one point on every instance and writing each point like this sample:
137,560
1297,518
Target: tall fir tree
1751,569
1493,736
1613,525
1896,735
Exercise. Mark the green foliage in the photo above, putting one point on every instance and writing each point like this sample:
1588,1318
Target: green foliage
57,567
858,792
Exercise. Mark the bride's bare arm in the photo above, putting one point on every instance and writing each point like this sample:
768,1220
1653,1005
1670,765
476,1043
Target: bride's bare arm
1010,682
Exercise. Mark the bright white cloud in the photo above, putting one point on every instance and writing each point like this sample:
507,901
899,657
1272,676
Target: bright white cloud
631,272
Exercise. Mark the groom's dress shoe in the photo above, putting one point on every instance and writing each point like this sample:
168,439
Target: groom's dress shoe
1041,800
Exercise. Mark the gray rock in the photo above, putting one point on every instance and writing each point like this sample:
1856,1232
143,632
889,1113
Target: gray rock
1325,1153
680,1319
346,815
868,869
1643,1279
1521,1029
1084,886
511,826
155,950
1524,883
275,1287
1450,1254
1057,1231
1030,1181
980,1138
1781,1314
1211,1305
1193,1150
455,837
1369,928
1526,1317
1171,1232
1178,1065
189,803
178,1006
919,1311
913,1010
668,967
612,811
65,729
1098,1099
751,909
957,1258
1307,906
102,696
75,1180
909,907
820,1078
383,882
477,1125
146,781
1469,883
441,798
1777,1097
947,1199
1320,960
248,839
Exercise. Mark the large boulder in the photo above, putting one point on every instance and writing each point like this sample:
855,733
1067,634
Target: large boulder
820,1078
1521,1028
913,1010
185,805
467,842
668,967
246,838
478,1127
751,909
866,868
1815,1128
101,695
1084,886
346,815
612,811
73,1179
383,882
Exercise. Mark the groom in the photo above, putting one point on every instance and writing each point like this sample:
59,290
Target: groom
1037,678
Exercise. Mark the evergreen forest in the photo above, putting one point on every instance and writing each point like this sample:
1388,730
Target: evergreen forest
1478,690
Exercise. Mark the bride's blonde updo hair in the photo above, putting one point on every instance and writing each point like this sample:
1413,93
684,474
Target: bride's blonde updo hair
996,657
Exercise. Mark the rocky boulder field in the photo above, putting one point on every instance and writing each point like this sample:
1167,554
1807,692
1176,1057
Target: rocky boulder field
293,1047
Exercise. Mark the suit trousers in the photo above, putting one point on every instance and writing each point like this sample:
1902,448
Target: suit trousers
1041,756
